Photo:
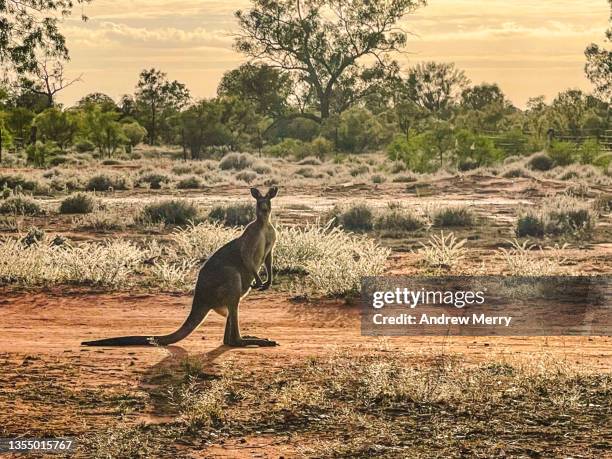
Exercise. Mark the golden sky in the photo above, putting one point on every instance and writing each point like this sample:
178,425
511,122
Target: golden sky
529,47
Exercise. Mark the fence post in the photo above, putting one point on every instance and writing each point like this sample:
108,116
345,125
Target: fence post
550,135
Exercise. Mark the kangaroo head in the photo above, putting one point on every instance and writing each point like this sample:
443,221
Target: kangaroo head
264,204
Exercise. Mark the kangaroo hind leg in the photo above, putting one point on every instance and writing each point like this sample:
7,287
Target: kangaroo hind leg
232,328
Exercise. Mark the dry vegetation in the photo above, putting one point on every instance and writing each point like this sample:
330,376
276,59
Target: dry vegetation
144,224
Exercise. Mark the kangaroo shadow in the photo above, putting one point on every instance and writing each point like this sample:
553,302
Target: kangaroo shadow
173,370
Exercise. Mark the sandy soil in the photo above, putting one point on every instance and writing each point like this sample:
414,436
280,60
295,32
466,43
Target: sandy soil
40,335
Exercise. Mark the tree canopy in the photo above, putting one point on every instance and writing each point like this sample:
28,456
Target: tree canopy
29,29
321,41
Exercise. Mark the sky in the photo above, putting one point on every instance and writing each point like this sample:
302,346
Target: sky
528,47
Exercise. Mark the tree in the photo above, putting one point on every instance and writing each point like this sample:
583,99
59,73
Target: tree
59,126
105,102
435,86
29,28
598,67
103,130
134,133
319,41
480,96
19,121
48,79
266,87
568,110
157,99
202,125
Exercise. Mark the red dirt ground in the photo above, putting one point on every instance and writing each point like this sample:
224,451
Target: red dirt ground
40,333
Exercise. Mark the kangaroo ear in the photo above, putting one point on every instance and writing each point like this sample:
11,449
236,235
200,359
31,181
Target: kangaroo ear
255,193
272,192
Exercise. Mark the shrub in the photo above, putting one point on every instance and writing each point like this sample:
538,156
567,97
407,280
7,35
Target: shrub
397,167
20,205
14,181
246,176
540,162
589,151
557,216
378,178
154,179
357,217
563,153
111,162
511,159
79,203
529,225
310,161
172,211
262,168
516,172
398,221
453,216
359,170
467,164
288,147
85,146
58,160
603,203
443,252
105,182
307,172
405,178
189,183
239,214
358,130
321,146
236,161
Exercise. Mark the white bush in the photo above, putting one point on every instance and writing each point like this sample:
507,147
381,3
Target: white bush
108,263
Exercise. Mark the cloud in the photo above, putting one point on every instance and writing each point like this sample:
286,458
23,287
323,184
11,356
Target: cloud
111,34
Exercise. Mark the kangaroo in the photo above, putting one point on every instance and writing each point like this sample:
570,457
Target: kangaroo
224,279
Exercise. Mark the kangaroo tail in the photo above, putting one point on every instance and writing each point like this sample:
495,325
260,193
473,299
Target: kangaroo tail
195,318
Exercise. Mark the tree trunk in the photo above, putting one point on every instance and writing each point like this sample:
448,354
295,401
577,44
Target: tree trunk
324,106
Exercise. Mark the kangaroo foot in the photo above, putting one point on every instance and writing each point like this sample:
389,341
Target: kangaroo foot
252,341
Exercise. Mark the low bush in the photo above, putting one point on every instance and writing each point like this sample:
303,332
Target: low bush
559,215
111,162
18,181
355,217
467,164
79,203
85,146
20,205
310,161
174,212
405,178
530,225
516,172
378,178
453,216
399,220
563,153
540,162
189,183
155,180
239,214
106,182
262,168
359,170
236,161
246,176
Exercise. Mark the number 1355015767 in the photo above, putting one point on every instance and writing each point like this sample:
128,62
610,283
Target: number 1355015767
46,445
